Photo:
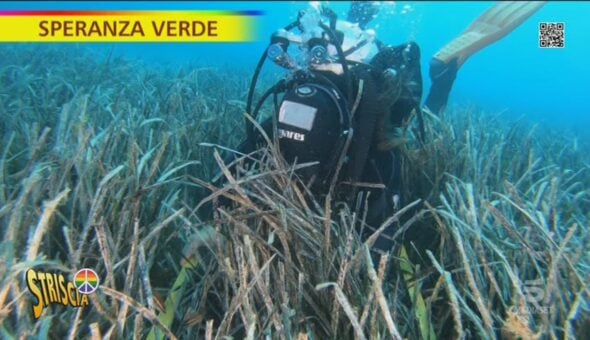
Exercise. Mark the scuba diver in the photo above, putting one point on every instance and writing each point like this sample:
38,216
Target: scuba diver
347,98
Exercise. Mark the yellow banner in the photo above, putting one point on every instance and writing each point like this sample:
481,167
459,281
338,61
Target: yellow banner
138,26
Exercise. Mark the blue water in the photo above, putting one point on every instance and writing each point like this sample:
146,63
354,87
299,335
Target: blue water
514,74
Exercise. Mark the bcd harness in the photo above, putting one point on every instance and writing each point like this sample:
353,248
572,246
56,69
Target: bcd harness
323,117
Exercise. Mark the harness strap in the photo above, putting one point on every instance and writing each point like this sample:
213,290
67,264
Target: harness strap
364,131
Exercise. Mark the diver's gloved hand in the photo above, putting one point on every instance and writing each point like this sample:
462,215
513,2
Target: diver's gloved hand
390,88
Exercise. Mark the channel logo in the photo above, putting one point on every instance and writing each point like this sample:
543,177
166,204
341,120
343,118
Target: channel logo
86,281
52,288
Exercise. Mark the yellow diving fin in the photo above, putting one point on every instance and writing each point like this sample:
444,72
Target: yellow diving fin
491,26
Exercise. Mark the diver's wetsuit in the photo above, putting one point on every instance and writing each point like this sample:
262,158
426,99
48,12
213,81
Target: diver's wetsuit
398,71
442,74
400,85
393,90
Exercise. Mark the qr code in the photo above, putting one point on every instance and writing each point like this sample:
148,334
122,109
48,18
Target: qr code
552,35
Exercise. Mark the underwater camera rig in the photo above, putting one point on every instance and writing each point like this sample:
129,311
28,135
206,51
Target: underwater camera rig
314,118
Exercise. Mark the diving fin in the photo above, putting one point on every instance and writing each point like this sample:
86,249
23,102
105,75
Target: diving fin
492,25
488,28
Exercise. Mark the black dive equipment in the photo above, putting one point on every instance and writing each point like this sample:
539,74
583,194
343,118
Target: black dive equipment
313,119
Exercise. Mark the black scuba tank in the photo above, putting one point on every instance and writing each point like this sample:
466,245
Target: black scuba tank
313,121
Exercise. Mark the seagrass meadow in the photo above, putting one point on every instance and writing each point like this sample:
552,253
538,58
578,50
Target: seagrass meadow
108,164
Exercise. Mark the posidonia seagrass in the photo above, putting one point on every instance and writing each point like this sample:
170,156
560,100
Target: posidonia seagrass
102,166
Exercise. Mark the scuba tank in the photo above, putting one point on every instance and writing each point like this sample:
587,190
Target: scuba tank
314,120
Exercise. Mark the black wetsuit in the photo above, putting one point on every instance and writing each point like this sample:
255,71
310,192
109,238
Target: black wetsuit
400,81
393,90
384,166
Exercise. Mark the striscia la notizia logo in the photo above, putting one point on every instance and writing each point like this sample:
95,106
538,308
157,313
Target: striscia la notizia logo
53,288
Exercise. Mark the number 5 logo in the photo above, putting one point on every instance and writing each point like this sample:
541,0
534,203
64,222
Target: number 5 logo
533,292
